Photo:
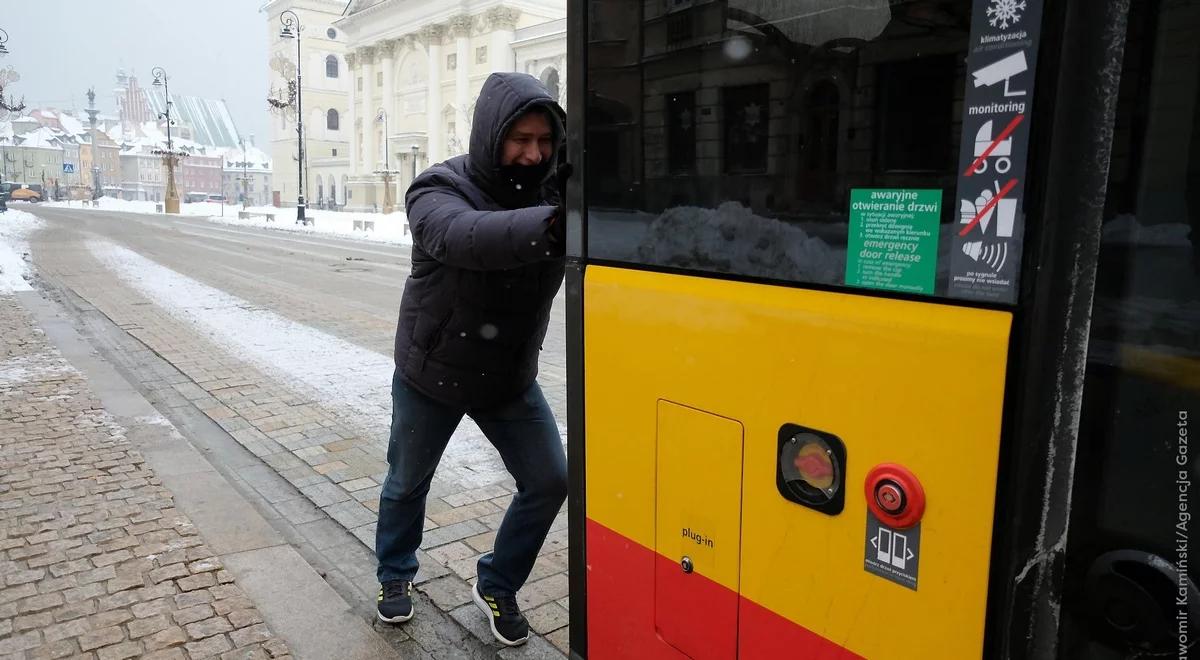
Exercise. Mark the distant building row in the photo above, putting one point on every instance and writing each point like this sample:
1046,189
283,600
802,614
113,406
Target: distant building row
68,158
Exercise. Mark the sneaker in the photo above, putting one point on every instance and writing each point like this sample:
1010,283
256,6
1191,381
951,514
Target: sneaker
508,624
395,601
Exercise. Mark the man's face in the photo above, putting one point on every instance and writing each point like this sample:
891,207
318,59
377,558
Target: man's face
529,141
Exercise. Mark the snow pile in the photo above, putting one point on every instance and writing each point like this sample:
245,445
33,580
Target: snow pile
139,206
15,226
390,228
732,239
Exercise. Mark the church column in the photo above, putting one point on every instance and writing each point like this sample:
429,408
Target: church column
432,35
350,126
461,28
368,110
389,95
502,23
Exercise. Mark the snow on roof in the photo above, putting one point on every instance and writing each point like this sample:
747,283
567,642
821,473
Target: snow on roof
42,138
117,133
70,124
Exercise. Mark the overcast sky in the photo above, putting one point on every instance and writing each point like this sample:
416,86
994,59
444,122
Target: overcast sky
210,48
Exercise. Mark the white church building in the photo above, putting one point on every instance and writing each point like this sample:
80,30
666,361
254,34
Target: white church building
390,86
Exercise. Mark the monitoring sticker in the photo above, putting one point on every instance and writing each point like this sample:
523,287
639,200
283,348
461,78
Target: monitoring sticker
893,239
985,257
893,554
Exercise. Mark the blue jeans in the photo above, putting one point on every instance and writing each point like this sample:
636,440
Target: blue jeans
522,430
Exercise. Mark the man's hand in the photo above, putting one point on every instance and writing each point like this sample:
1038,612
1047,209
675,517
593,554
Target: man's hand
558,227
558,223
563,173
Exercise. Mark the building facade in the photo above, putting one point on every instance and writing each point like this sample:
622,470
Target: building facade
247,172
324,96
142,174
132,105
106,154
408,75
32,157
200,172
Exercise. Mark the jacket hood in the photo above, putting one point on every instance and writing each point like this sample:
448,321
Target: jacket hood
504,98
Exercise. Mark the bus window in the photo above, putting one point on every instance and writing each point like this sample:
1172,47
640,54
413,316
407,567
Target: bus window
731,137
1129,589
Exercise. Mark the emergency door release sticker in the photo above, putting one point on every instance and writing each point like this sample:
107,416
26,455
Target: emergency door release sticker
893,554
985,256
893,242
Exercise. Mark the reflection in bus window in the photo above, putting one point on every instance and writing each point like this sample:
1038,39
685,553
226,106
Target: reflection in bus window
1143,370
725,136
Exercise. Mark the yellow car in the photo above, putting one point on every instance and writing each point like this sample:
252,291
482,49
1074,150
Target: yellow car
25,195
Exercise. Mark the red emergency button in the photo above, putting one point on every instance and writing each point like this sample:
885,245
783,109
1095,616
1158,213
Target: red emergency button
895,496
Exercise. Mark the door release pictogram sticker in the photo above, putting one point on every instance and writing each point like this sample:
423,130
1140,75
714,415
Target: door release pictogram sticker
893,554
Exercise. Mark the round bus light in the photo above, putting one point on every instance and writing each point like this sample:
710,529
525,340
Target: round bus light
895,495
810,468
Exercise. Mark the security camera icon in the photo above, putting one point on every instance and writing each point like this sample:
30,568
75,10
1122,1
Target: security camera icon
1004,70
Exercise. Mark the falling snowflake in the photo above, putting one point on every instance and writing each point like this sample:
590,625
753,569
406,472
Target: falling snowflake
1002,13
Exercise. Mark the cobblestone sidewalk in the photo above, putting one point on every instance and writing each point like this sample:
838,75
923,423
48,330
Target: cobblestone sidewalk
333,457
95,562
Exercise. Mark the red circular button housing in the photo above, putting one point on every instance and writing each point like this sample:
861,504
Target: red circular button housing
895,496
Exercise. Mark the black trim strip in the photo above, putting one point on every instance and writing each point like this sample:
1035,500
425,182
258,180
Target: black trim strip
1073,147
577,21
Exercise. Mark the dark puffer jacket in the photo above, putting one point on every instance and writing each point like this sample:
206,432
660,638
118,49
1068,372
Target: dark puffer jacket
484,271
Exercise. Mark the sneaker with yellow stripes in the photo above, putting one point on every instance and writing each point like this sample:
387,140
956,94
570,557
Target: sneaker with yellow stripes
395,604
504,616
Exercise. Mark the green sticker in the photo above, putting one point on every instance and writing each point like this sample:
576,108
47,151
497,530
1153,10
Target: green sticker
893,239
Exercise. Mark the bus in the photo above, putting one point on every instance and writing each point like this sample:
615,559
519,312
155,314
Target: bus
882,328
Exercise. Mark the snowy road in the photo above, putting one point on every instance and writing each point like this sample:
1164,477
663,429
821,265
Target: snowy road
347,289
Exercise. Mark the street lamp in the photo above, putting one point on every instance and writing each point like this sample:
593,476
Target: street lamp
389,201
160,80
3,51
291,30
170,158
245,177
7,103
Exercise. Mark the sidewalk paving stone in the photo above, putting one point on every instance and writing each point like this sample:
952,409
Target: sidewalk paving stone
88,536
